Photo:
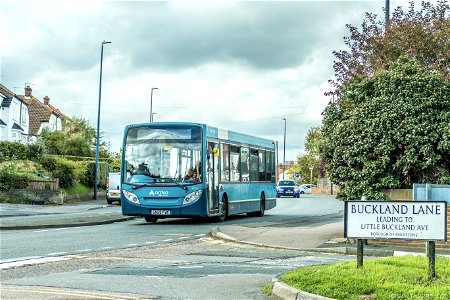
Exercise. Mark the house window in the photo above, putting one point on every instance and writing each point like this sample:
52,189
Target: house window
15,111
24,121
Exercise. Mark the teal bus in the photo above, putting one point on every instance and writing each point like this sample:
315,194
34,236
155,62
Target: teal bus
177,170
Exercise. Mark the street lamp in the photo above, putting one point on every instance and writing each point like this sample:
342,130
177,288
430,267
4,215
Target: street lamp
151,104
98,123
284,148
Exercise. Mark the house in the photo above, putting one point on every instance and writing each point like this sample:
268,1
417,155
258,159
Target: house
14,117
42,114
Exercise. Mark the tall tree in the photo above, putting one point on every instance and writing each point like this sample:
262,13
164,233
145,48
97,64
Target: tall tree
423,35
389,131
77,137
314,141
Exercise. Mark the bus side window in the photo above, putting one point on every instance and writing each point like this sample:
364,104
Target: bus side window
225,166
234,164
245,159
254,165
270,168
262,166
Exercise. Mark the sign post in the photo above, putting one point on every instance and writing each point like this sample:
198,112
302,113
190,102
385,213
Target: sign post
311,168
406,220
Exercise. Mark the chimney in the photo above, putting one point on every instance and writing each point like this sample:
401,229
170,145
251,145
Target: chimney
28,91
46,100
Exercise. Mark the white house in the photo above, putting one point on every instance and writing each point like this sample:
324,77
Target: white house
14,117
42,115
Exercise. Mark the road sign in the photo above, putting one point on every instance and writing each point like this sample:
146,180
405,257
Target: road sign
297,175
311,167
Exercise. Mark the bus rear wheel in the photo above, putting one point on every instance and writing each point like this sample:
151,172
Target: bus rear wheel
262,208
150,219
224,212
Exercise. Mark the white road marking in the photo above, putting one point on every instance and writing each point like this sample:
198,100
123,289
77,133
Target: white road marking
168,240
57,254
148,243
31,261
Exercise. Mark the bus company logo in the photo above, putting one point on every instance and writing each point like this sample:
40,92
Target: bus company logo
153,193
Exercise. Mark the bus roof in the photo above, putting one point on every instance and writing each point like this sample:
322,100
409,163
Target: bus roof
218,133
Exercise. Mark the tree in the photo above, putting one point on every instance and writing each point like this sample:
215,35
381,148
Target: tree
314,141
77,138
389,131
423,35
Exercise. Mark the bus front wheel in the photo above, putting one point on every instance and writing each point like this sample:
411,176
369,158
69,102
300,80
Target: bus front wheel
150,219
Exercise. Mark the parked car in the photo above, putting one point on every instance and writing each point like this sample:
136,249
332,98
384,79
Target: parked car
113,188
287,188
306,188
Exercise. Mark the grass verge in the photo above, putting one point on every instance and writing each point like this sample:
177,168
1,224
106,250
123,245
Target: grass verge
404,277
78,188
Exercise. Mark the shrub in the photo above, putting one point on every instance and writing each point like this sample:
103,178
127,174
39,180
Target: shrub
61,168
11,179
12,150
36,151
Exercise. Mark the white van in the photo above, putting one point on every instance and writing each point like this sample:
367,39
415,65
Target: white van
113,188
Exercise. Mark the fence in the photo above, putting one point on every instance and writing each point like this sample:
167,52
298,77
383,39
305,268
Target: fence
43,184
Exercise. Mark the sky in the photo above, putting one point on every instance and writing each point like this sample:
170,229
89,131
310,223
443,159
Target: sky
237,65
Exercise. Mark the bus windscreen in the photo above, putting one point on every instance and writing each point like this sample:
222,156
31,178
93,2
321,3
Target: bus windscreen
163,154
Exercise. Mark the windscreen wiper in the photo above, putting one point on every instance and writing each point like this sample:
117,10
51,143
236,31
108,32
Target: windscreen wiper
136,186
172,180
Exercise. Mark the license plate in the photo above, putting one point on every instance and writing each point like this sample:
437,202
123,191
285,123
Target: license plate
289,192
160,212
114,194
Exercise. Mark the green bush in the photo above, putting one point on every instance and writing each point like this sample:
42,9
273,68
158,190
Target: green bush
13,150
36,151
11,179
61,168
103,170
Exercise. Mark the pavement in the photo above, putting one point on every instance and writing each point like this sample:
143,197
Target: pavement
322,238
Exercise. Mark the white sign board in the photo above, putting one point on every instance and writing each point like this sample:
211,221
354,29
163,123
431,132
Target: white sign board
406,220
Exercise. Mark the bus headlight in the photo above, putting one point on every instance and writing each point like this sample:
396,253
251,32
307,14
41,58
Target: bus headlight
131,197
192,197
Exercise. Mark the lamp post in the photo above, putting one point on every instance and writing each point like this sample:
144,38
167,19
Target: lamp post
284,148
151,104
98,123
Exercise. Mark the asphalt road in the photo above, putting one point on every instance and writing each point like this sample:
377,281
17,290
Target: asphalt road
22,244
172,259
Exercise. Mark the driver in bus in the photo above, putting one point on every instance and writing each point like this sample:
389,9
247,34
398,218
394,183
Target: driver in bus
190,175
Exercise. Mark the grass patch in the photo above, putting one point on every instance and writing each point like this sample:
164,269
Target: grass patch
267,289
77,189
404,277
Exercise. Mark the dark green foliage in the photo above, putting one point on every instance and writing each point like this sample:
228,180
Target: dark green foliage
11,179
36,151
77,138
420,33
389,131
13,151
61,168
19,151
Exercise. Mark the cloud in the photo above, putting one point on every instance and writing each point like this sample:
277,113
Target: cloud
237,65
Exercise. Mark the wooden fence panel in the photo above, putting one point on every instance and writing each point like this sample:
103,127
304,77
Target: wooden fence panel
44,184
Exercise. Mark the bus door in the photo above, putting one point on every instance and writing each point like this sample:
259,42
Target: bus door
212,175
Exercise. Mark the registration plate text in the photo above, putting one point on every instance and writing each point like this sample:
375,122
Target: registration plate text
160,212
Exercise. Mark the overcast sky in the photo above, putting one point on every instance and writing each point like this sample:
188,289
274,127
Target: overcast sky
236,65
